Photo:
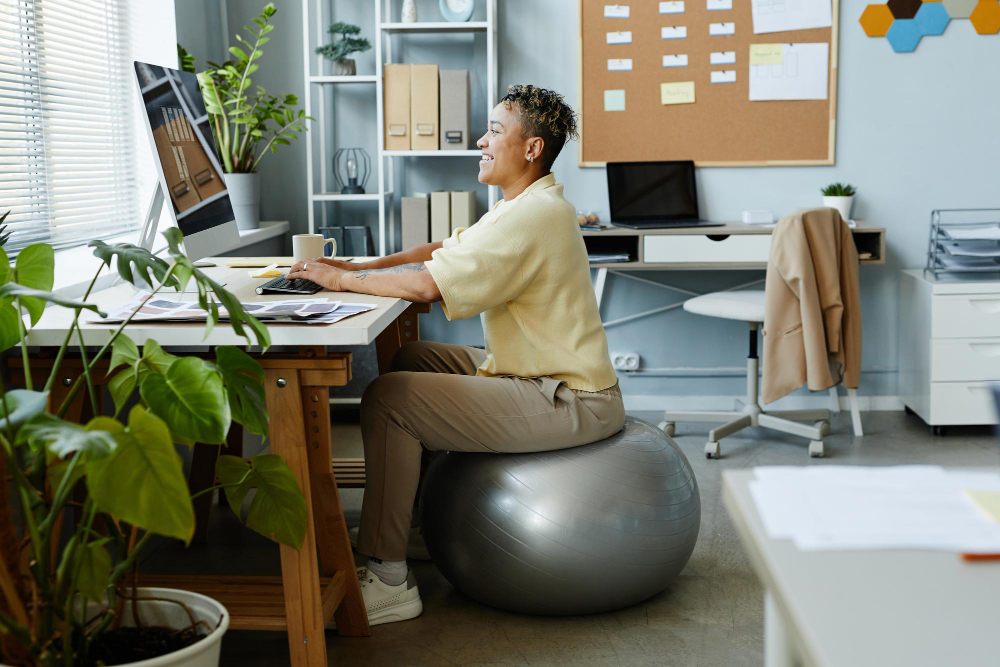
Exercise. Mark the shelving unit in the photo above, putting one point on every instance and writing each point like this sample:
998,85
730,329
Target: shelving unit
387,35
964,241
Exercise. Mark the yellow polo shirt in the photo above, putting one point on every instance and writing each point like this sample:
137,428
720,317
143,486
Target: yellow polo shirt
524,267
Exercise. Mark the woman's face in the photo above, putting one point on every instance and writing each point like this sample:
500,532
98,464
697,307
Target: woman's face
505,149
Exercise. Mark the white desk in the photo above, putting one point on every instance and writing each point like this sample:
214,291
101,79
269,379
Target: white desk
317,580
860,608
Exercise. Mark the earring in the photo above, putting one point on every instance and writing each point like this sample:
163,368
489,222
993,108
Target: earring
531,159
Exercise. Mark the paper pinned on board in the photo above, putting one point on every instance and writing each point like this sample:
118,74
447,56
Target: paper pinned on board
677,92
672,7
616,11
782,15
622,37
802,74
722,58
719,5
720,29
673,32
614,100
619,64
675,60
724,76
767,54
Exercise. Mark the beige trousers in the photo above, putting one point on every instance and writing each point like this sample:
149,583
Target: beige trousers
433,400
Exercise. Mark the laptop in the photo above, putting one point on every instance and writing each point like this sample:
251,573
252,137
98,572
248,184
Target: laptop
652,195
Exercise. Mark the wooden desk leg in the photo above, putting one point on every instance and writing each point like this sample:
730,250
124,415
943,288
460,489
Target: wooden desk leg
405,329
299,568
331,529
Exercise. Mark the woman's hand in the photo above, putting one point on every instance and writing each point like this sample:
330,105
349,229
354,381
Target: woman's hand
335,263
322,272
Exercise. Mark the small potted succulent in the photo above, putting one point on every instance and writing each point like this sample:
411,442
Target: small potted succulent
841,197
345,43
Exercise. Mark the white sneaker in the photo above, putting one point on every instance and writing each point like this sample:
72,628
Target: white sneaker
388,604
416,549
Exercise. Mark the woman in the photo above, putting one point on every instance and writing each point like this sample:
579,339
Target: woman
544,380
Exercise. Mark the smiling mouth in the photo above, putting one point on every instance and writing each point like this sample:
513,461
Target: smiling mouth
486,158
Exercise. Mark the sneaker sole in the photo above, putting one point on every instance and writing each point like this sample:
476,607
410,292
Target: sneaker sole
400,612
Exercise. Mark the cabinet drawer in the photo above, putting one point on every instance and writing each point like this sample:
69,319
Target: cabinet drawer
961,403
965,316
699,249
965,359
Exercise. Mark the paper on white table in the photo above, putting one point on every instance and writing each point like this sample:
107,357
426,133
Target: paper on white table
900,507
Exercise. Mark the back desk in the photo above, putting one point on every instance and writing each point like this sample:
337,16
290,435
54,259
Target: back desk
732,246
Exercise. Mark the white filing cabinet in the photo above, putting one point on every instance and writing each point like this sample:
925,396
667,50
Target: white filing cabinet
949,348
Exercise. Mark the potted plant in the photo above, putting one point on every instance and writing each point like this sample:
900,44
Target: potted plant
247,122
345,43
839,196
83,501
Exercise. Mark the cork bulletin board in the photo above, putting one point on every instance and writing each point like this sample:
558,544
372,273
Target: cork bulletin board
637,108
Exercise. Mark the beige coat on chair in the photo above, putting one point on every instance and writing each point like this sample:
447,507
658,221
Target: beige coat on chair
812,310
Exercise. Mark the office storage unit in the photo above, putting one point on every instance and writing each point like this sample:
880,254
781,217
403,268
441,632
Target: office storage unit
398,142
949,348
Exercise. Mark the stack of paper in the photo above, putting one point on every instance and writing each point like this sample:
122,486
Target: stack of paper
900,507
299,311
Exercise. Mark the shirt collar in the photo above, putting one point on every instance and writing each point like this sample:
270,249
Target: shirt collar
546,181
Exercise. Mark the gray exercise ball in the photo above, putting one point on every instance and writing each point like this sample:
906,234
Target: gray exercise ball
573,531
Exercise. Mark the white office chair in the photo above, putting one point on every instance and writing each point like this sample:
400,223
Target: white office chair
747,306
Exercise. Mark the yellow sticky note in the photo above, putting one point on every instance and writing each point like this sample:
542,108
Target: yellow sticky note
767,54
987,502
678,92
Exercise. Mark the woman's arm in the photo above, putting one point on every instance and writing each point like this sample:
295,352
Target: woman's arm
420,253
412,281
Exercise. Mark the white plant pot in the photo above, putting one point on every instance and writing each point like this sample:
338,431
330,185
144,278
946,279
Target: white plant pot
204,652
842,204
244,194
345,67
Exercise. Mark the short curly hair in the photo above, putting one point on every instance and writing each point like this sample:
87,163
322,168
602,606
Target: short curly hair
544,113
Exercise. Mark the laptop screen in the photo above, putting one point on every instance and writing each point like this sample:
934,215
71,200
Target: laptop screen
652,191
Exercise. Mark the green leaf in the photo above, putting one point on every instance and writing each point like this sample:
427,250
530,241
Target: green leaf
4,260
278,508
123,351
95,569
133,262
244,381
23,404
155,359
190,398
239,53
15,290
35,268
142,482
62,438
10,333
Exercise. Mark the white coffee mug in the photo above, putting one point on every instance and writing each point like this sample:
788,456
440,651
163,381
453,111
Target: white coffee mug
308,246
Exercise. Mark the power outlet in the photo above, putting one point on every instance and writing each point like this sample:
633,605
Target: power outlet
625,361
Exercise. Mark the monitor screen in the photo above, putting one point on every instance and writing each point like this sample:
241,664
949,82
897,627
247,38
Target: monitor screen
649,191
188,168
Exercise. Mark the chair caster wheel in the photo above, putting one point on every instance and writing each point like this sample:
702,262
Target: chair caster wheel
712,450
816,449
668,427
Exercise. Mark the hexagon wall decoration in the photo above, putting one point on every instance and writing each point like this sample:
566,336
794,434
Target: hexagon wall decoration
905,22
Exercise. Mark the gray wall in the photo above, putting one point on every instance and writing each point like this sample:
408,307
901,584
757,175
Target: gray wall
914,132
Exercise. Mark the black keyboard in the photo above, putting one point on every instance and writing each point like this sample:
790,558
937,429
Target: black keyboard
284,286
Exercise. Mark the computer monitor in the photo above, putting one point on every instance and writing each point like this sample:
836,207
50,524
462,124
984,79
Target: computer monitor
187,166
653,194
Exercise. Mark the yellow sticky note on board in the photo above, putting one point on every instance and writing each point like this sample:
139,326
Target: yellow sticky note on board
677,92
987,502
767,54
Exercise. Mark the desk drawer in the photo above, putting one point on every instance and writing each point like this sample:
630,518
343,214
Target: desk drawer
965,359
965,316
699,249
961,403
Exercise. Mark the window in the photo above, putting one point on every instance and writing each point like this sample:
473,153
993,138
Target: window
67,147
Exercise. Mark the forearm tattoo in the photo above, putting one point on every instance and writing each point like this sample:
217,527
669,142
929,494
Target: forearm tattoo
400,268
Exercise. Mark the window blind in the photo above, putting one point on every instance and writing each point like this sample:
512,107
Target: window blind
67,154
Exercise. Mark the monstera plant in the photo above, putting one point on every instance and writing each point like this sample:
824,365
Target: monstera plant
82,501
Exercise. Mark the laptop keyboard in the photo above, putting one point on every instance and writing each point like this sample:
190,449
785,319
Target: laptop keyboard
282,285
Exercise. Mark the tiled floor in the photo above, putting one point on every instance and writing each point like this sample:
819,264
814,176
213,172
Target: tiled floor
712,615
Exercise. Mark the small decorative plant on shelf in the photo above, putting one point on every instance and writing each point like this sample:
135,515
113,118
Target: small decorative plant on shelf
839,196
83,500
247,122
345,43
